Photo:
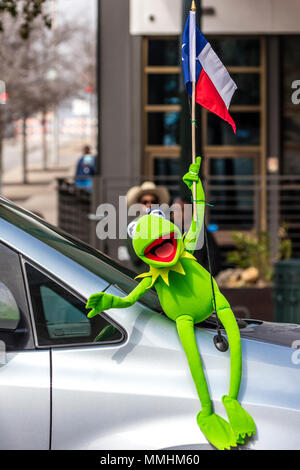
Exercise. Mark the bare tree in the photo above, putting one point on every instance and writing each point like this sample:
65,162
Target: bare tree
56,71
36,78
26,11
87,74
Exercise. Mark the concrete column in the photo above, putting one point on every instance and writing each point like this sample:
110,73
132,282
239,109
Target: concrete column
120,111
120,91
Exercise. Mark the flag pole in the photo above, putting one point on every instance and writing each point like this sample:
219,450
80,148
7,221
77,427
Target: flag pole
193,9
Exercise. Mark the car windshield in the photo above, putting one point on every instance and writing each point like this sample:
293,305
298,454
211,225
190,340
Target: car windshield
91,259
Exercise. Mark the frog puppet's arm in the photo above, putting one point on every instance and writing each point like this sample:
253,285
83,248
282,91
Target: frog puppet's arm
102,301
196,225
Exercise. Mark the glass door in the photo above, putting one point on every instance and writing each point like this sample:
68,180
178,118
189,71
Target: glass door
235,165
161,109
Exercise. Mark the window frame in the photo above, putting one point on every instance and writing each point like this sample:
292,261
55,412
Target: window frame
221,234
259,152
150,152
287,109
25,260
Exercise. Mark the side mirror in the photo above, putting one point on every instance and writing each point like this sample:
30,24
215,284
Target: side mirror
9,312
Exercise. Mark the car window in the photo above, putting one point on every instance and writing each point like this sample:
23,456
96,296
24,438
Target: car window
83,254
14,314
61,317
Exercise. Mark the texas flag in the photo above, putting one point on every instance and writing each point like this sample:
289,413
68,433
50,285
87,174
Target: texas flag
214,86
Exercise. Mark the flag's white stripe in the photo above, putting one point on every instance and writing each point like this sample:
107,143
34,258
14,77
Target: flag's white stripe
217,73
192,38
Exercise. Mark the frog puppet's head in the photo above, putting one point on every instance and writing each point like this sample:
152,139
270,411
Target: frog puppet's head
156,240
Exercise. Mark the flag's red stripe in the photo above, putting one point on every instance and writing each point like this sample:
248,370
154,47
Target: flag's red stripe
208,97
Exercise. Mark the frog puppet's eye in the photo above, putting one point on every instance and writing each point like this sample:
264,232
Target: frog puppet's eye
158,213
131,229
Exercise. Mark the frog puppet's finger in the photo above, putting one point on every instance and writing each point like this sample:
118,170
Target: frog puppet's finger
98,302
195,167
92,301
193,174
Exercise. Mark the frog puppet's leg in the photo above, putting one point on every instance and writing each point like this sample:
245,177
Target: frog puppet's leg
216,429
241,422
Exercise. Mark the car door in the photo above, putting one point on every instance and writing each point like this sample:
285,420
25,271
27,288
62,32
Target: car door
24,371
61,323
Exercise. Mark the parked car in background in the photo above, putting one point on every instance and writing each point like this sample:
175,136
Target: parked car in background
131,388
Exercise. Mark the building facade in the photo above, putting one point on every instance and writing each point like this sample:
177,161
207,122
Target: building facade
253,177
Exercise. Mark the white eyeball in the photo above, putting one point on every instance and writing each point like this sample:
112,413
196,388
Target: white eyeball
131,229
158,213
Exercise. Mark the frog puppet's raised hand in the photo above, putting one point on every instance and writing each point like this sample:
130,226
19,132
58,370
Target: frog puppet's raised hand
185,292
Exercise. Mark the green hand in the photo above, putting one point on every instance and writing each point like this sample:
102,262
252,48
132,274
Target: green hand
193,174
98,303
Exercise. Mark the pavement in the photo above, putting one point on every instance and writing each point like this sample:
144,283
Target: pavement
39,195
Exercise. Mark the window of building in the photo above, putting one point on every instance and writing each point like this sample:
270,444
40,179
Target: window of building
290,166
226,154
61,317
161,104
234,198
233,162
290,46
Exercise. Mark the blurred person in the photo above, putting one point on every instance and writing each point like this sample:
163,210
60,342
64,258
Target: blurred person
181,216
85,169
148,195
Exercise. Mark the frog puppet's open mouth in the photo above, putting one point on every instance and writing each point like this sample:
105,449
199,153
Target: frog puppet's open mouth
163,249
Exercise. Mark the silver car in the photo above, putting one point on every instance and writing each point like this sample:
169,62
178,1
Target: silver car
64,386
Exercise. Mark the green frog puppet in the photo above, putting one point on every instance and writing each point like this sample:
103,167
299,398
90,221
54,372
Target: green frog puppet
187,297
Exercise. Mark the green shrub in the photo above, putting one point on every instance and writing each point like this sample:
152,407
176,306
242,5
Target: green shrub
254,250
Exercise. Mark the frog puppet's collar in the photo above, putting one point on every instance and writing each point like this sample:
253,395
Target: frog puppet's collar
164,272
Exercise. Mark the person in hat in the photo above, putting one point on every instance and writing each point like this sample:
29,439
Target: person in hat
148,194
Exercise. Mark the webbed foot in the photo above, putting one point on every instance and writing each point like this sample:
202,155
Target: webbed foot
217,431
241,422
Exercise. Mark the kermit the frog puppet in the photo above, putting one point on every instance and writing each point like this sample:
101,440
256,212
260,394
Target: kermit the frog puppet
185,292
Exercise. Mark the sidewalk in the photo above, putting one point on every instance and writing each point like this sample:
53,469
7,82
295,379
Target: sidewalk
40,194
